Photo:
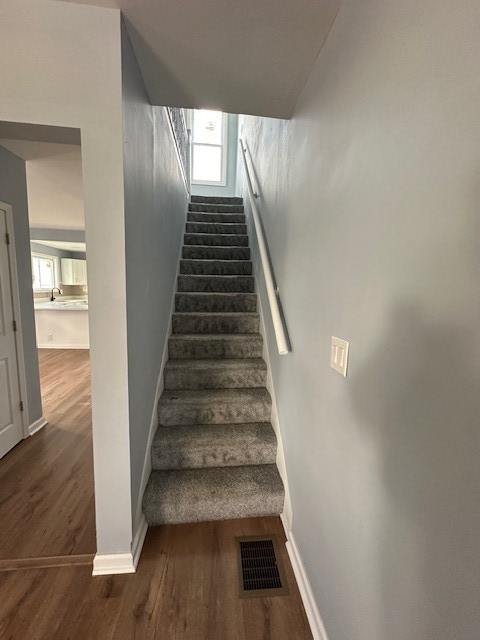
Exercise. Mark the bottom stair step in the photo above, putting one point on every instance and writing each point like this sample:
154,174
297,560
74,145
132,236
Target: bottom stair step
218,445
216,493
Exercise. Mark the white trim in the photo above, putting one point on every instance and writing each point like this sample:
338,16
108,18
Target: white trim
52,345
22,376
107,564
138,540
282,469
147,462
317,626
36,426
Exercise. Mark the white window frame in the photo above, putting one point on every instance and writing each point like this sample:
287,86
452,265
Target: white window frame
56,270
223,147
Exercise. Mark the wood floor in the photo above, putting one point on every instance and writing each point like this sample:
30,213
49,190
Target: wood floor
46,481
185,588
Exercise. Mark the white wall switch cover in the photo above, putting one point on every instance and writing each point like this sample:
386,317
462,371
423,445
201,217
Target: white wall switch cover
339,355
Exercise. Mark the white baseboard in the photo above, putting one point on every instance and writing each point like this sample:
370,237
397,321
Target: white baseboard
106,564
314,618
50,345
138,540
36,426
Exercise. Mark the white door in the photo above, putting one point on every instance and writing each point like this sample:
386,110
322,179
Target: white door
11,429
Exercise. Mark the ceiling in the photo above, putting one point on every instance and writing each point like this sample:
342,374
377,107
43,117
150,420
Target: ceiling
237,56
33,150
54,180
60,244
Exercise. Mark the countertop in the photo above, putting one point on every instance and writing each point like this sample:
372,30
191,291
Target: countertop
61,305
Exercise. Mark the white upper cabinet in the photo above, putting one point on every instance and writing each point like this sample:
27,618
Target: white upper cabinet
74,271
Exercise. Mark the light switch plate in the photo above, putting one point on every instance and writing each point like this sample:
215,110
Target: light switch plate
339,355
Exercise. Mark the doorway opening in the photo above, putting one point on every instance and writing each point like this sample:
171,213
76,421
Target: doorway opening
46,468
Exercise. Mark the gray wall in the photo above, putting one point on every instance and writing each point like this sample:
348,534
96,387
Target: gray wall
371,199
13,191
155,209
230,189
67,235
59,253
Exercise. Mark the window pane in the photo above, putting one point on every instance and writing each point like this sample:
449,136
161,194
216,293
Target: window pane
35,273
46,273
43,272
207,163
207,127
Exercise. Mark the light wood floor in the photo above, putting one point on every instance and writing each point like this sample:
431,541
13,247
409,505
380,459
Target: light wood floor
185,588
46,481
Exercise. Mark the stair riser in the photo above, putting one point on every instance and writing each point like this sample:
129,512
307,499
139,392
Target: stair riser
215,324
216,379
215,208
216,284
214,446
215,240
216,267
215,302
216,200
216,348
215,253
195,216
173,413
186,495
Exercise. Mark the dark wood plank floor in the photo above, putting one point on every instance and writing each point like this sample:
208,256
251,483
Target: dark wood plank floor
46,481
185,588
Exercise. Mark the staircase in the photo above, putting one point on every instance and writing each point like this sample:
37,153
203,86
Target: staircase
213,454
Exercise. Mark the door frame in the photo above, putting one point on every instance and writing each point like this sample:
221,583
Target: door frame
12,260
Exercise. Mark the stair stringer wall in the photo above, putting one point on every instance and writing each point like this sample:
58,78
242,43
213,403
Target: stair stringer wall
282,468
147,462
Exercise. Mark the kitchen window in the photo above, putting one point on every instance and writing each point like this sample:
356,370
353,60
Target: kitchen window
45,271
209,148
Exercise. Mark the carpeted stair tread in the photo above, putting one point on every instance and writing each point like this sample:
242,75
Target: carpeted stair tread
216,267
214,451
202,216
216,199
215,207
215,374
215,302
214,406
183,346
213,493
206,252
216,239
216,227
216,284
215,323
226,445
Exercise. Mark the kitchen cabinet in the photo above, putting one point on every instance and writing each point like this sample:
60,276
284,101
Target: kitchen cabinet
74,271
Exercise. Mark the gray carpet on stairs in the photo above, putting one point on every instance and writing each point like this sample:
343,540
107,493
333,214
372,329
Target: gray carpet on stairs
214,452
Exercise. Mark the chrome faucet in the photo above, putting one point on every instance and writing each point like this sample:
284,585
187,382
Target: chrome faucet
52,297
